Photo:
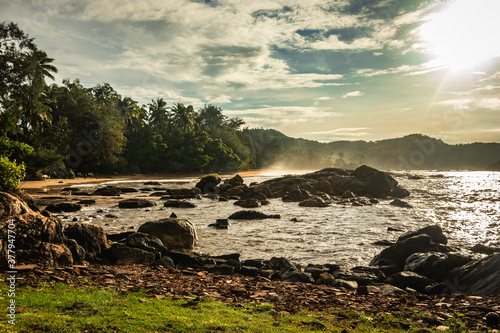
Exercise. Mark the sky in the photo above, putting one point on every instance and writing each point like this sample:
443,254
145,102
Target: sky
320,70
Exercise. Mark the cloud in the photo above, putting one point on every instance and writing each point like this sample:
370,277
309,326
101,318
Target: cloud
356,93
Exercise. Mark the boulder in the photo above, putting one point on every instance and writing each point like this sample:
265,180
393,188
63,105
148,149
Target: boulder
378,184
248,203
220,224
119,237
128,190
146,242
400,203
90,237
411,280
208,183
120,254
39,238
152,183
64,207
314,201
234,181
481,248
399,252
179,204
479,277
434,231
174,233
76,250
180,193
136,203
185,259
111,191
434,265
251,215
296,195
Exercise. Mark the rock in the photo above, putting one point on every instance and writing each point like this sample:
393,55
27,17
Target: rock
385,289
128,190
208,183
179,204
493,320
220,224
222,269
412,280
293,274
314,201
124,255
249,271
278,263
87,202
146,242
111,191
91,238
360,277
348,195
480,248
39,238
173,216
400,203
185,259
119,237
251,215
248,203
136,203
345,284
174,233
479,277
399,192
434,265
56,255
257,263
378,183
434,231
64,207
296,195
152,183
398,253
111,216
234,181
77,252
436,288
165,262
325,278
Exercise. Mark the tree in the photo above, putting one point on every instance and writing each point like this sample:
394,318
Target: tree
183,117
159,115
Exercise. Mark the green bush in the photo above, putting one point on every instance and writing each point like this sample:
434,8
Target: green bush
11,174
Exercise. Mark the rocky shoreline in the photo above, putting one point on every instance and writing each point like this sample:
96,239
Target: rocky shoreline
419,266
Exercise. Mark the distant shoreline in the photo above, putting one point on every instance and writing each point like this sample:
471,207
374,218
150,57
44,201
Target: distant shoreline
57,183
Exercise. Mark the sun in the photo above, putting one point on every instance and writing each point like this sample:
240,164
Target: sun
465,34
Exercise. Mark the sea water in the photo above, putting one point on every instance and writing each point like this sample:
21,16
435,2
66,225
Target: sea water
465,204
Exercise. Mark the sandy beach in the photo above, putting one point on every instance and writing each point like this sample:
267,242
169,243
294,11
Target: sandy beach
53,184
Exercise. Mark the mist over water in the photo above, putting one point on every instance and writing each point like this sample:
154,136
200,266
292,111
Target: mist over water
464,204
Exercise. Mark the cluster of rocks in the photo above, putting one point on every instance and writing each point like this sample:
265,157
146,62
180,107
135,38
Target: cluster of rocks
317,189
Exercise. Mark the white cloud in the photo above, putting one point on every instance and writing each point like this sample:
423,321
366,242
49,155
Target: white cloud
356,93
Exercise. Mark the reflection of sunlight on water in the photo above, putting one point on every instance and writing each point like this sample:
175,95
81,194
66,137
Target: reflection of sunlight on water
465,204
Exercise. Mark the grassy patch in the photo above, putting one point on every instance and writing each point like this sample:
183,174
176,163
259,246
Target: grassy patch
57,307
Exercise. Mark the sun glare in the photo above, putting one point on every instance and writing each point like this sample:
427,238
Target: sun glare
465,34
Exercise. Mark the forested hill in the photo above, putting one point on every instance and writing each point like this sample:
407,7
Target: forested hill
414,151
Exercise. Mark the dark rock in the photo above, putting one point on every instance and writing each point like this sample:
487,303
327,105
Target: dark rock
222,269
383,243
136,203
361,277
121,254
64,207
493,320
119,237
399,252
179,204
278,263
251,215
340,283
400,203
152,183
248,203
314,201
181,193
434,265
111,191
220,224
173,216
55,255
296,196
434,231
394,229
293,274
234,181
257,263
185,259
165,262
91,238
378,183
230,256
384,288
294,219
146,242
174,233
249,271
436,288
77,252
479,277
399,192
87,202
412,280
480,248
146,189
208,183
128,190
235,263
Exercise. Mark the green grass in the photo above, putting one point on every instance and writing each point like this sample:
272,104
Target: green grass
51,308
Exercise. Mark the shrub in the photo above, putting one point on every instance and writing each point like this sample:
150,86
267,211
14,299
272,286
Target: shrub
11,174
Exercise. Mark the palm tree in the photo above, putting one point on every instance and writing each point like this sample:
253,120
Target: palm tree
159,115
39,66
184,117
